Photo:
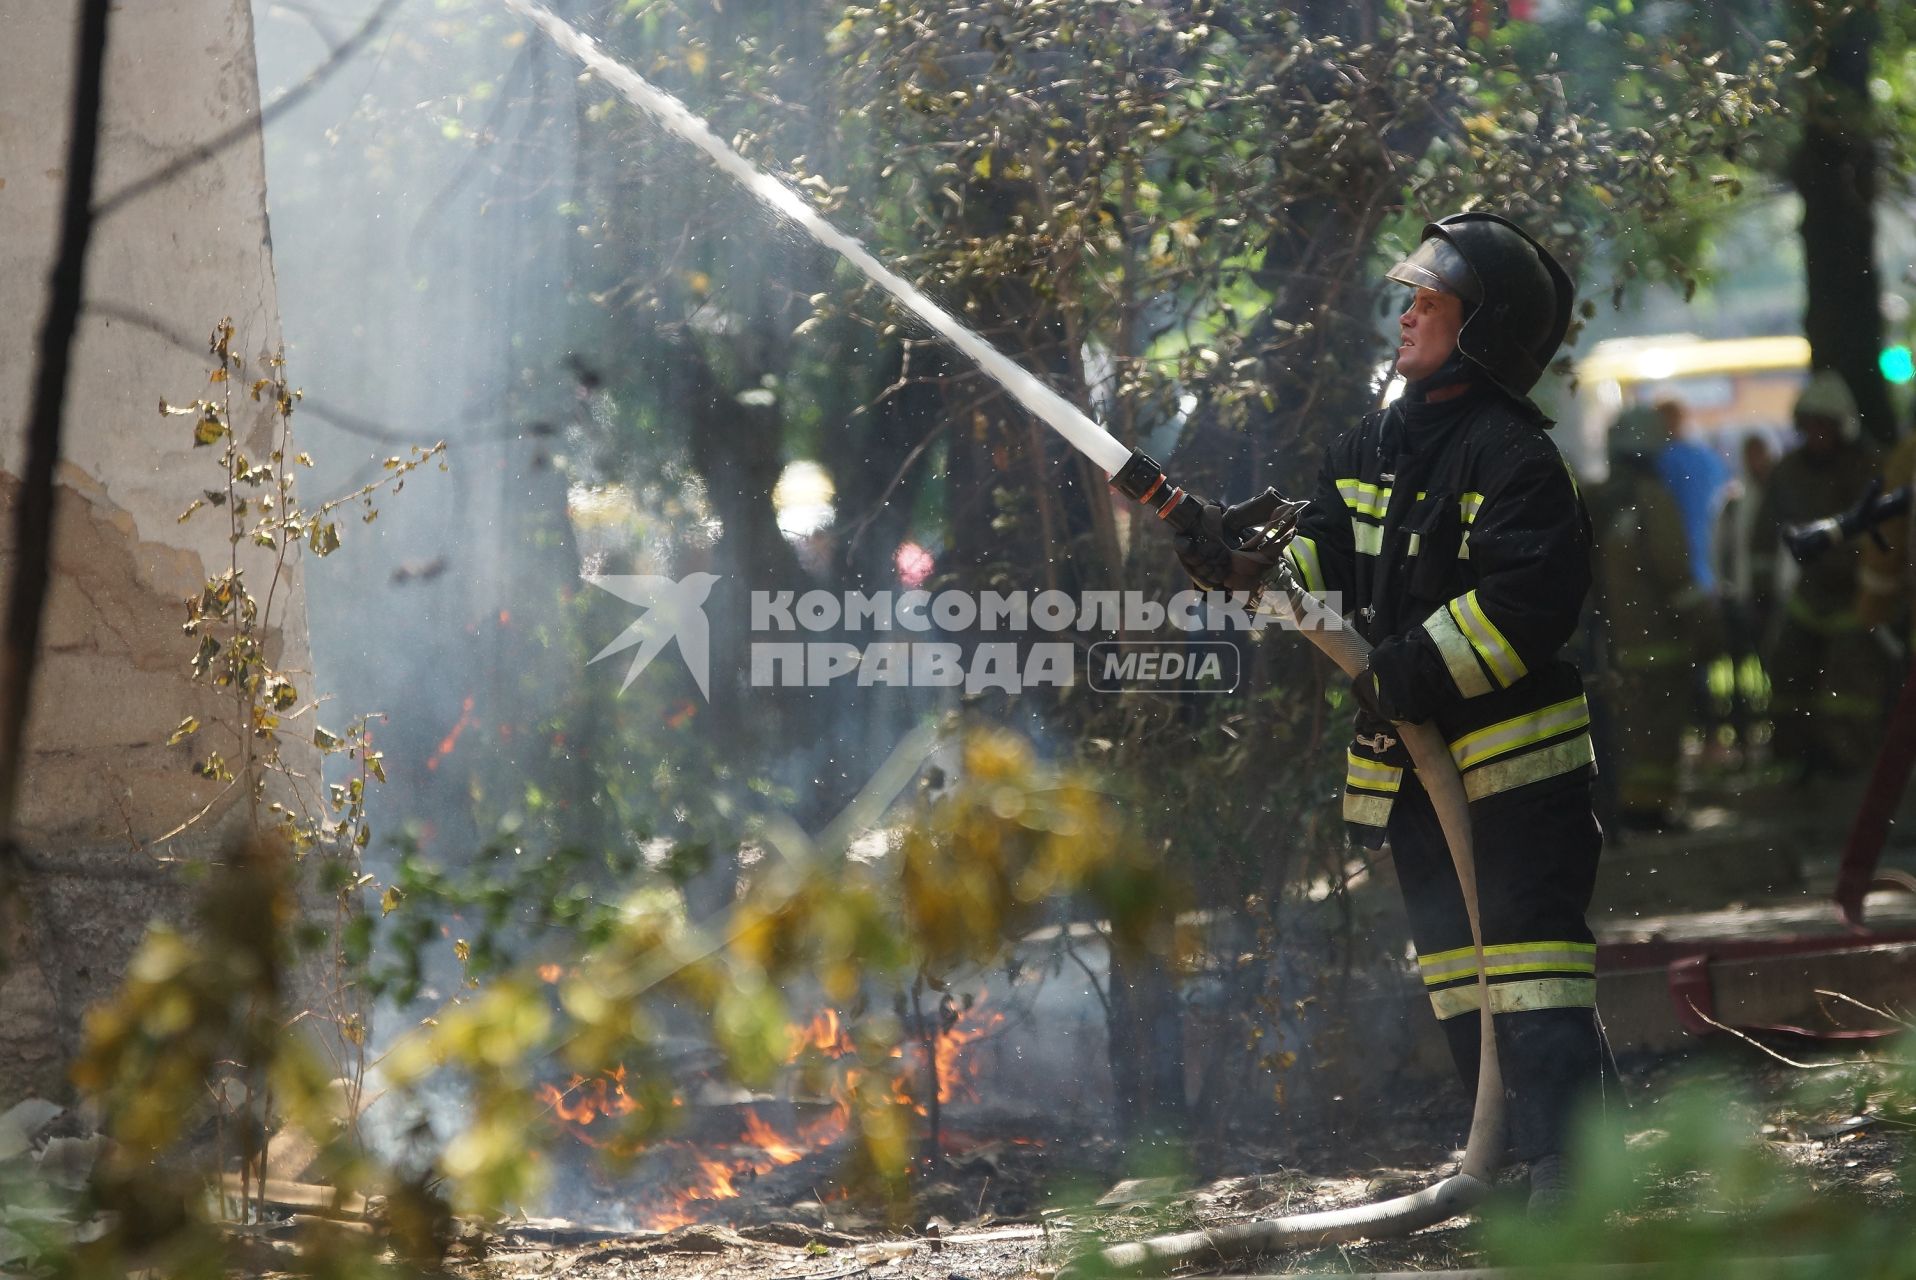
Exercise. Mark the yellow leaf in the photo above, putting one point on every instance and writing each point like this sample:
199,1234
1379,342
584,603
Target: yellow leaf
218,375
389,901
188,726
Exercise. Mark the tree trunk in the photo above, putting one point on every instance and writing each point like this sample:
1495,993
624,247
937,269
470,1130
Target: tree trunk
1834,170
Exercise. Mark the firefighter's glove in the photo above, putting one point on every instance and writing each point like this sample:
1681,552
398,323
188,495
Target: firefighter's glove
1211,555
1403,682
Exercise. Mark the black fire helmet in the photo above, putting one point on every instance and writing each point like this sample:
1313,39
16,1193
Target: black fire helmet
1519,296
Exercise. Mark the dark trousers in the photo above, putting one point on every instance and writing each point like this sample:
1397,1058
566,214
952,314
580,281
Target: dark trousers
1536,852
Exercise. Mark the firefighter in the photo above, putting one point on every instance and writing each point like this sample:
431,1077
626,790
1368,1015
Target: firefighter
1451,529
1883,577
1829,678
1656,615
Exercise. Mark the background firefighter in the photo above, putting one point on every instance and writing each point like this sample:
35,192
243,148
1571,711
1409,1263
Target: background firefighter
1830,680
1655,616
1450,526
1883,577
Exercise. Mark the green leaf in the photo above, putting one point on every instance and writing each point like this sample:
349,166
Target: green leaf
281,693
203,660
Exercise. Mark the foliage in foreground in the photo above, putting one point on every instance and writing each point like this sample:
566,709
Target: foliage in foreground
1697,1187
1005,838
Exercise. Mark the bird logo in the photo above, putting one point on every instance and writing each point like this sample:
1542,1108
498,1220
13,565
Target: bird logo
674,610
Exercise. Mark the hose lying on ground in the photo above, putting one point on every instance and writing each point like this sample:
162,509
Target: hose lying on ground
1404,1214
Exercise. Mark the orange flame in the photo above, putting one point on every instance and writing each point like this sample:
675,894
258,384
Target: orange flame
584,1101
824,1033
451,740
767,1140
762,1147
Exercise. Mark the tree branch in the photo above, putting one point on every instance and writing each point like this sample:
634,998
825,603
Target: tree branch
254,121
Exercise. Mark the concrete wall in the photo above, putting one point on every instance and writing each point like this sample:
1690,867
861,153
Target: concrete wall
114,680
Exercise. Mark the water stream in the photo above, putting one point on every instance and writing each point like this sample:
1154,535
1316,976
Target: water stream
1053,409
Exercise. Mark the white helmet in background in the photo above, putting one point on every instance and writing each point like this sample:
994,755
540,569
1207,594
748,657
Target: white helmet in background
1828,396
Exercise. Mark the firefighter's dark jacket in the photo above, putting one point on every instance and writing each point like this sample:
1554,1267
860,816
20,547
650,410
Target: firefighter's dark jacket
1474,550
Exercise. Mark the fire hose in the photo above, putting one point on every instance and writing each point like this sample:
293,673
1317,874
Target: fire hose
1136,476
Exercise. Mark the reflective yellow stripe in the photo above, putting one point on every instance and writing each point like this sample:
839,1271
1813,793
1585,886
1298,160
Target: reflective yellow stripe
1511,951
1563,965
1367,538
1518,997
1366,810
1471,503
1510,735
1498,656
1505,970
1532,766
1364,498
1459,658
1361,772
1303,554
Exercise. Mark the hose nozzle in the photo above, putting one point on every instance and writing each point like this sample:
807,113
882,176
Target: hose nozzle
1810,540
1144,480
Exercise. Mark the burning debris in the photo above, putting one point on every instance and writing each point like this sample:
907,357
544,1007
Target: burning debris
735,1145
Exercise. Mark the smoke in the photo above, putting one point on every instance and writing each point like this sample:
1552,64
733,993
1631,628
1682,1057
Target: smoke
422,295
435,266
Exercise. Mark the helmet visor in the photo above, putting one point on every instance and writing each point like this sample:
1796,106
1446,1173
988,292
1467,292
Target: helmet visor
1436,264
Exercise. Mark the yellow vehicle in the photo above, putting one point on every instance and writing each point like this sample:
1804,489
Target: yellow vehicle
1730,388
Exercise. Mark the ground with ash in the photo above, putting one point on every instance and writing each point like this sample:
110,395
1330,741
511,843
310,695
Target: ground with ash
1023,1208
